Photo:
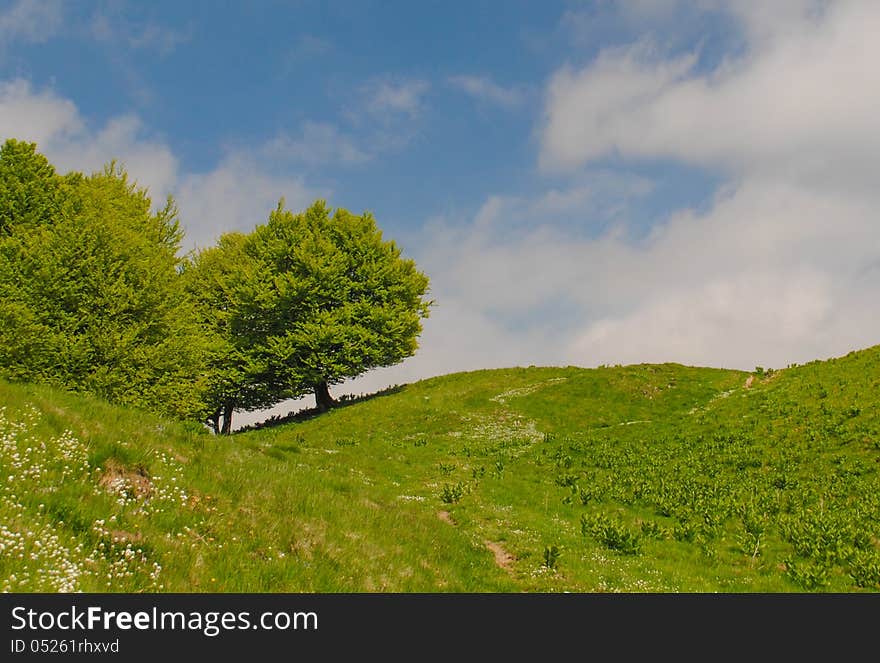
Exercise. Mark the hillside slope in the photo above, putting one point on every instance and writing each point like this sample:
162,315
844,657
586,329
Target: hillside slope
637,478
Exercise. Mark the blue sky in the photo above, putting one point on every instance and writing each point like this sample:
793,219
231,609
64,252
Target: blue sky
462,85
584,182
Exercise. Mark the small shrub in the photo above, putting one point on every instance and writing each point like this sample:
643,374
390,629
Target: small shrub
612,534
653,530
446,469
685,532
452,494
551,556
865,569
566,480
808,575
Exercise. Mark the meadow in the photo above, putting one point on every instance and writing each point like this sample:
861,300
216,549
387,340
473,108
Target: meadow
643,478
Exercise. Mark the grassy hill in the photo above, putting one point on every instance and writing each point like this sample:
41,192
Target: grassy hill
636,478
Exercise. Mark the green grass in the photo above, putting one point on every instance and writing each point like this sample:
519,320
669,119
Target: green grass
637,478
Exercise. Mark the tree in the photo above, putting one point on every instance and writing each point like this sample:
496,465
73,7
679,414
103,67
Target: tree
325,298
235,377
90,294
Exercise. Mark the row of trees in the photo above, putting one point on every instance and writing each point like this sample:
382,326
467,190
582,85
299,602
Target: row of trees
94,296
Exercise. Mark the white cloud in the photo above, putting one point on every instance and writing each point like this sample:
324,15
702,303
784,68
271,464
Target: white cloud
31,20
748,320
55,124
36,116
768,21
804,97
320,144
149,161
601,193
485,89
235,196
386,96
762,278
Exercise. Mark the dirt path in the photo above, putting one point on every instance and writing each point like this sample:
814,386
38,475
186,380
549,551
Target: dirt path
503,559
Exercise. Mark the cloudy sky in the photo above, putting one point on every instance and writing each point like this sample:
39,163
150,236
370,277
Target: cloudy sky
585,183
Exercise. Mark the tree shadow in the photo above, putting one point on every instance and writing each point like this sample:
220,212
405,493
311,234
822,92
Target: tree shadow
305,414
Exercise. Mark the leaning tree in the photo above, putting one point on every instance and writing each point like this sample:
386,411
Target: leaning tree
324,298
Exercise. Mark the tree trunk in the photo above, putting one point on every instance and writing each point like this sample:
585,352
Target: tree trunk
323,399
214,421
228,407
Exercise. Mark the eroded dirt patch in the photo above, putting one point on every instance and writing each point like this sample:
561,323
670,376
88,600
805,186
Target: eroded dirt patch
502,558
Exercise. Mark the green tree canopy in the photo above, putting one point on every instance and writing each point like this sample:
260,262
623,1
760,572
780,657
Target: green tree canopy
323,298
31,192
90,295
